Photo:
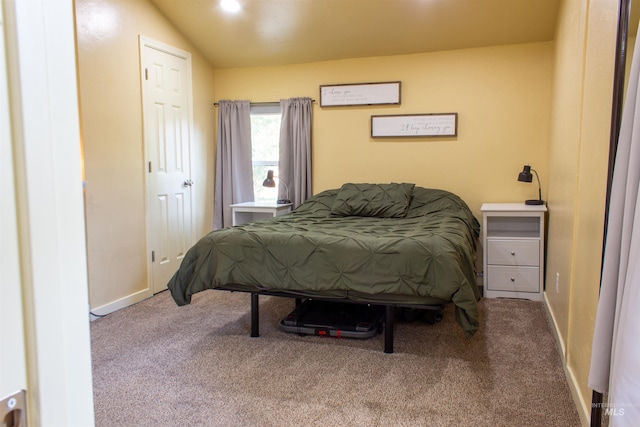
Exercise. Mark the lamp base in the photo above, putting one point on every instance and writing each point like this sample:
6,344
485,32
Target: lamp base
534,202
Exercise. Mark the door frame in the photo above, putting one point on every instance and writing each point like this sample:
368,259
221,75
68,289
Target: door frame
171,50
47,162
13,368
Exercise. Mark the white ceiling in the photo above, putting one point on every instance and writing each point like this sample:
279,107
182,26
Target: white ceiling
277,32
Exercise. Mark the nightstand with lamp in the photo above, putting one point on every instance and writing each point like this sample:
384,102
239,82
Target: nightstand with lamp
514,246
253,211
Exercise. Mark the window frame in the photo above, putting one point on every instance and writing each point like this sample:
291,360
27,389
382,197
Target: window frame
263,109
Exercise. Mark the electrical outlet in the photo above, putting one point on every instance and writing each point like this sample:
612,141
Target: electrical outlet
557,282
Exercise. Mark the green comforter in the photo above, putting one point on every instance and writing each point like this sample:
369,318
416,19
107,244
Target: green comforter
427,256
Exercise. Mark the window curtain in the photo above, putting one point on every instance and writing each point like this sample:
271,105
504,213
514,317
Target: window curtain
294,167
615,357
234,171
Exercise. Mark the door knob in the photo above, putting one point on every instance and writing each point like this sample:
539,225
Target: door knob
188,183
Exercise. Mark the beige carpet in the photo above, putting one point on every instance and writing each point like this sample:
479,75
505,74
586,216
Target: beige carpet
156,364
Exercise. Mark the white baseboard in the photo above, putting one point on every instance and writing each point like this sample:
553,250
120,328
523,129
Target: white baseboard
121,303
556,330
583,408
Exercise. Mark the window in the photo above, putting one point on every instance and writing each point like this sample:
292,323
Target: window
265,141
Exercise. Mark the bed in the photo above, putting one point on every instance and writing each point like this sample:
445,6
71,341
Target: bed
397,245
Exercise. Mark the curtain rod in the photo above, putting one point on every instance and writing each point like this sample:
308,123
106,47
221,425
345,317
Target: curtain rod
262,103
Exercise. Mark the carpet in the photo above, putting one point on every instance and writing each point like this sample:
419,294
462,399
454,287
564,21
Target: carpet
156,364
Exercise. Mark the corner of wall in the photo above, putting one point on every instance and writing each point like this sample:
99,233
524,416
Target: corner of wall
581,405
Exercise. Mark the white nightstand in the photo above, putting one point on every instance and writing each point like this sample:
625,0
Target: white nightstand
513,239
252,211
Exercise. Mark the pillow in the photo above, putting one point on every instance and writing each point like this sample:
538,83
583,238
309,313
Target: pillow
377,200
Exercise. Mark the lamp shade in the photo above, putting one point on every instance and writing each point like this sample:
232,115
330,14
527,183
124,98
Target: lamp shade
269,182
525,175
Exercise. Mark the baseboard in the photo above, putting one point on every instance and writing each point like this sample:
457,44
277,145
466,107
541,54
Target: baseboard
582,407
103,310
556,330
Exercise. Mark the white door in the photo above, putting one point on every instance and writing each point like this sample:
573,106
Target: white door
166,93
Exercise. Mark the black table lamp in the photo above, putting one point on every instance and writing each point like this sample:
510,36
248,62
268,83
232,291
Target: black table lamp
269,182
525,176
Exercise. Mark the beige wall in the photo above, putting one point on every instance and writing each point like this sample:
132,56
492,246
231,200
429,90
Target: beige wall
501,95
111,115
578,155
564,146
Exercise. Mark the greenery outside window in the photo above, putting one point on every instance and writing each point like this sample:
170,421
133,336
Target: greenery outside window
265,141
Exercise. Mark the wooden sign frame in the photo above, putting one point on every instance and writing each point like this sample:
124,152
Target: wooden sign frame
350,94
414,125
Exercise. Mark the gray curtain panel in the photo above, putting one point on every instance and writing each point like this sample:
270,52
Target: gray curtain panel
615,358
295,149
234,172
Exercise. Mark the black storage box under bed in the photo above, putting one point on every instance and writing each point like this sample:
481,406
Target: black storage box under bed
335,319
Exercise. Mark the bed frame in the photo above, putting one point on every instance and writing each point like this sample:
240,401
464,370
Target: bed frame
388,317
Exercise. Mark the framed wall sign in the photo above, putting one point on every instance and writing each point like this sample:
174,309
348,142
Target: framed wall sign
360,94
416,125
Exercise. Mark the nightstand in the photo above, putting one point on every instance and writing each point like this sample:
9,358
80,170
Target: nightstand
513,240
253,211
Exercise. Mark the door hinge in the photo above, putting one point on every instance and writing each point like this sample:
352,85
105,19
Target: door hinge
146,74
149,167
153,256
13,409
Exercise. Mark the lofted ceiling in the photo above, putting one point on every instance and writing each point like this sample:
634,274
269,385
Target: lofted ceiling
279,32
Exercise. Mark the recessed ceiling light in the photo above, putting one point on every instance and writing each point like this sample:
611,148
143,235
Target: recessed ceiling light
231,6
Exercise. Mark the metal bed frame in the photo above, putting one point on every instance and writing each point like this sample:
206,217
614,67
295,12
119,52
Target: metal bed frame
388,317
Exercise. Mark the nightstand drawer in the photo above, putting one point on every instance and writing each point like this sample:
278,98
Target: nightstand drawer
519,279
513,252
